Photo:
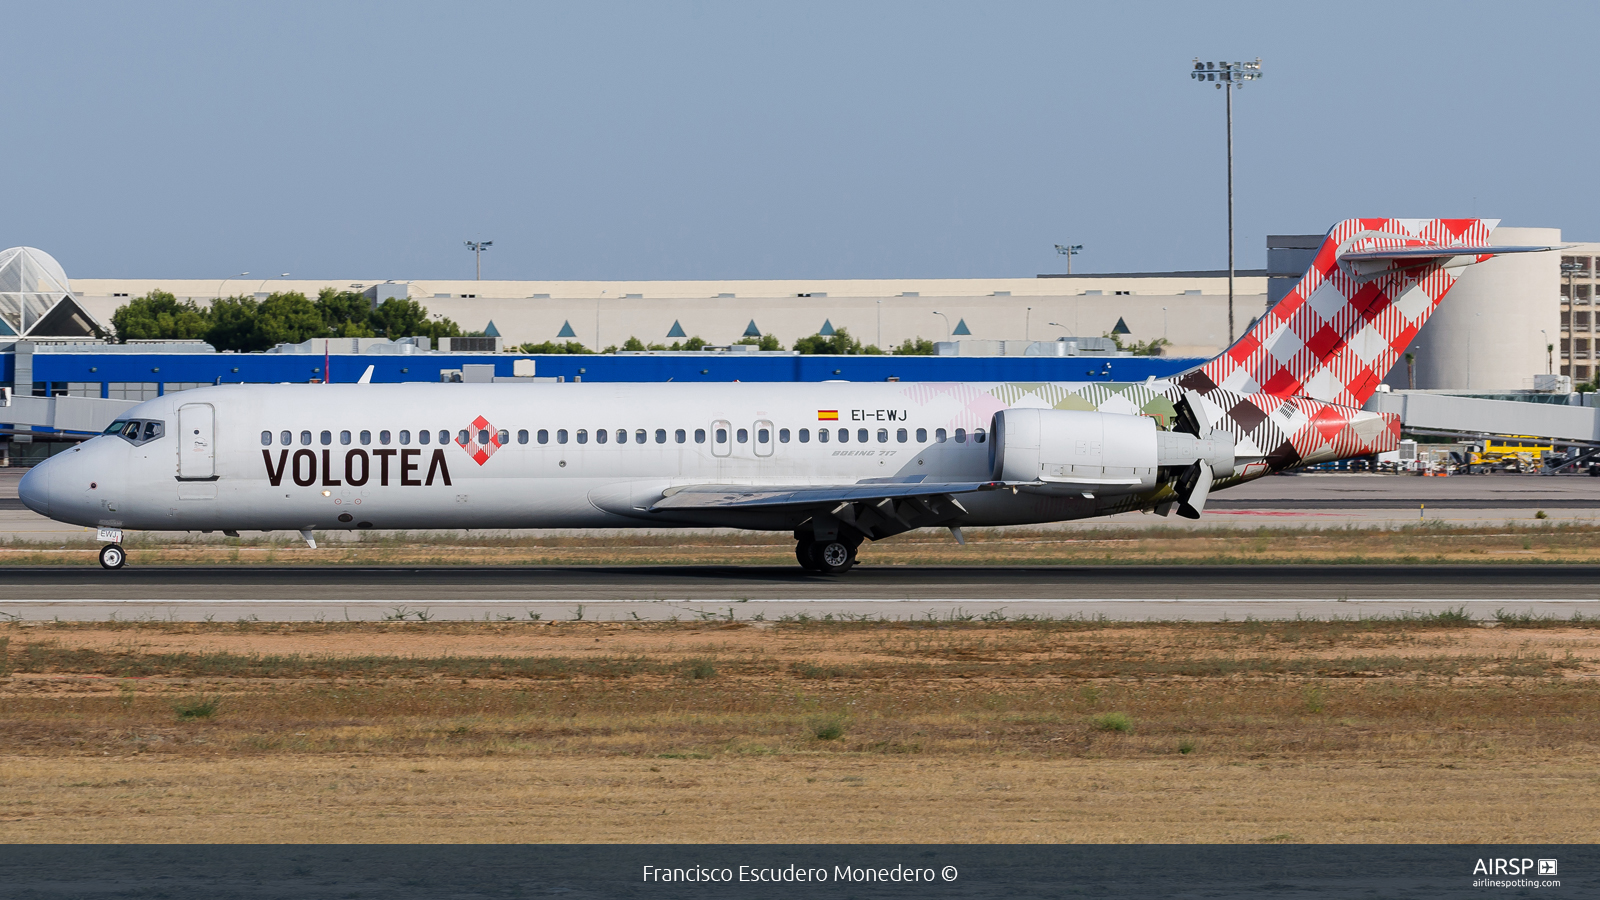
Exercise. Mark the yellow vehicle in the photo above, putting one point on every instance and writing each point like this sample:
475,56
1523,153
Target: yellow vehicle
1519,453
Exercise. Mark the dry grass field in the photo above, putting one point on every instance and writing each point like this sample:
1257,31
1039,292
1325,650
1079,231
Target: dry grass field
1434,729
1530,541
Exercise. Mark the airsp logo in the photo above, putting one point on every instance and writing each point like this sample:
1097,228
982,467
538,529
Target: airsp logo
1512,867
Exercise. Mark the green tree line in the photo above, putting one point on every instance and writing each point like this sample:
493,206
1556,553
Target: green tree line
838,343
244,324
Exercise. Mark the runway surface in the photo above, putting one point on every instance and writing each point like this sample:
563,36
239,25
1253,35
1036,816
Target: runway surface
626,593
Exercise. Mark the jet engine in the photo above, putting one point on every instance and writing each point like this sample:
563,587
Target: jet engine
1108,452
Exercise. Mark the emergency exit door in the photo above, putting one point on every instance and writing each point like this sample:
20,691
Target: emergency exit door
197,453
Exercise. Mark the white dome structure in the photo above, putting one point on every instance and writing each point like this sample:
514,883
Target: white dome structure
36,299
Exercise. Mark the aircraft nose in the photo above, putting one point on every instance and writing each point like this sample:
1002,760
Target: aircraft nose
34,489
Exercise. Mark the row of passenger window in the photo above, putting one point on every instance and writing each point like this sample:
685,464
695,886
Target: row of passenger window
640,436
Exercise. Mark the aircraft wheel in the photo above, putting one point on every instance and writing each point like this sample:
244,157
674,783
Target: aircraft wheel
112,556
804,553
832,557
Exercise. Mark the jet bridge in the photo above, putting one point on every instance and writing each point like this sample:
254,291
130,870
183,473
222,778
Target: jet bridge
1426,412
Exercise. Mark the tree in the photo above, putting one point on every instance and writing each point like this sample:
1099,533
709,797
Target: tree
692,344
345,313
289,318
765,342
234,326
396,318
919,347
158,315
637,346
1141,348
553,347
839,343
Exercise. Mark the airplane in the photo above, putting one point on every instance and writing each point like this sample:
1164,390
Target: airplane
835,464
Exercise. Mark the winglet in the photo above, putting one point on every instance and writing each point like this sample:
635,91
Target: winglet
366,377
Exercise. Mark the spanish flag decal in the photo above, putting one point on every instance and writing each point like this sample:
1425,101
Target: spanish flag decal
827,415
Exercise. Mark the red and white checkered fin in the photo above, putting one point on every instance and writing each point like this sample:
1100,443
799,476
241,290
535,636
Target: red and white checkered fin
480,451
1337,334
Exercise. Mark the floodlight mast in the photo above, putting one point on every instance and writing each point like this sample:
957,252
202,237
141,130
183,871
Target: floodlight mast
1227,75
477,248
1069,251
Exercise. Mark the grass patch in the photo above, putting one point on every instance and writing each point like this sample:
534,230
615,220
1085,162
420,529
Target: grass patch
827,728
1113,721
196,708
699,669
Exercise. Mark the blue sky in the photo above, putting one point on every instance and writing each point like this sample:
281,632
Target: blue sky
749,140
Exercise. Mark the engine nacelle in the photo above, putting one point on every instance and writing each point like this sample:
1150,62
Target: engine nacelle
1110,450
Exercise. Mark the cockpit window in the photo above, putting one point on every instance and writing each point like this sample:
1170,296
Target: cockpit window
138,431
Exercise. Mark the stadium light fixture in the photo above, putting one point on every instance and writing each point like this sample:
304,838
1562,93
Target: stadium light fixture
226,280
1069,251
1227,75
477,248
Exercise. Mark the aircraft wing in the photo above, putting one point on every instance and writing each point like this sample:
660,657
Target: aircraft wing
752,496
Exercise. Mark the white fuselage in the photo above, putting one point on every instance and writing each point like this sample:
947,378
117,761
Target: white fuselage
300,457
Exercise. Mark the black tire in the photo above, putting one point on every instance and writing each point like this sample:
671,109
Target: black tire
803,551
832,557
112,556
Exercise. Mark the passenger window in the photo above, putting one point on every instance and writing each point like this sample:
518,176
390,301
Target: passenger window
900,435
505,437
744,435
622,436
961,435
285,438
327,438
722,435
805,435
939,435
424,436
583,435
601,436
305,438
464,437
844,435
699,435
444,436
543,436
366,438
661,435
266,439
883,436
680,436
643,437
922,435
483,437
383,438
344,438
522,436
783,435
861,435
822,435
561,435
978,435
763,436
405,438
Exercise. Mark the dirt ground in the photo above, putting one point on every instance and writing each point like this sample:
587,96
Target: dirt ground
1529,541
1425,729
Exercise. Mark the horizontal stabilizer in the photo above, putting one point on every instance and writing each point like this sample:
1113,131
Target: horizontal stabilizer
1442,252
736,496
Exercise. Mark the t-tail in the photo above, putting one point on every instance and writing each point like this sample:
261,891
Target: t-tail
1290,389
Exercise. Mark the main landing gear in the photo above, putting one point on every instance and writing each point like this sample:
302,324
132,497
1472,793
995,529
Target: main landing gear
830,557
112,556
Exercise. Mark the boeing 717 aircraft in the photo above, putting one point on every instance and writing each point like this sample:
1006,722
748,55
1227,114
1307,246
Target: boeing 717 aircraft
836,464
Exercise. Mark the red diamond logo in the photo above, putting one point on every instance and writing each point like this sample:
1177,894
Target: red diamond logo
482,440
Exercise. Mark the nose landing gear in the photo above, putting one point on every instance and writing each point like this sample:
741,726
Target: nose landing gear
112,556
